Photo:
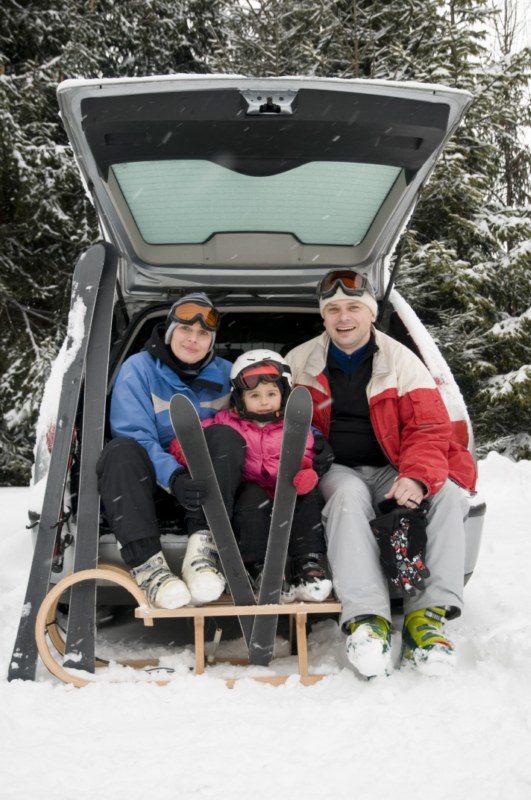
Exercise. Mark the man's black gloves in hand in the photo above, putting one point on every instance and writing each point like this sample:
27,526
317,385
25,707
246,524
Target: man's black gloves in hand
401,536
324,456
189,492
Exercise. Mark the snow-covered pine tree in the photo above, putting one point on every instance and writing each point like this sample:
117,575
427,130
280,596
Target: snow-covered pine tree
344,38
465,265
467,261
46,220
504,397
269,37
135,37
44,223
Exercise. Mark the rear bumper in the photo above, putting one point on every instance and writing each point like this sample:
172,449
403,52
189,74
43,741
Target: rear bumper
174,546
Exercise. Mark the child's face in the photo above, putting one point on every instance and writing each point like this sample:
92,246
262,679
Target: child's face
264,399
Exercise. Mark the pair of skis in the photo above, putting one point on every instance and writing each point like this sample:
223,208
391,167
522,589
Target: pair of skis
259,632
93,286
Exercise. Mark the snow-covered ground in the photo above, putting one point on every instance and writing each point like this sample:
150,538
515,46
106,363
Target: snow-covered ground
465,736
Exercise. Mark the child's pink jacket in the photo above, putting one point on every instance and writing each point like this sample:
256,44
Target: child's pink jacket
262,456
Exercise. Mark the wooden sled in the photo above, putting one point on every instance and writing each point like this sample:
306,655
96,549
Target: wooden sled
46,627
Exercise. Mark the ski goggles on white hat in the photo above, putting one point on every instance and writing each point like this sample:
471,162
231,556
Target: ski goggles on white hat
351,283
190,311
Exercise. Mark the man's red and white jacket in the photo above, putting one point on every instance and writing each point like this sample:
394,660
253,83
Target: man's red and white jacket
406,409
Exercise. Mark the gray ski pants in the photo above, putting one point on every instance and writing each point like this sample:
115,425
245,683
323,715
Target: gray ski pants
352,497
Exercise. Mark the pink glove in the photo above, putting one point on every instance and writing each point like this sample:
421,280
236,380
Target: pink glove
305,480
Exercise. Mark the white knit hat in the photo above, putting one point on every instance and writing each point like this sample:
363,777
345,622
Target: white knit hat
366,298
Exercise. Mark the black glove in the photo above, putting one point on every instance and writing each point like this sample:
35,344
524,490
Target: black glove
401,536
189,492
322,460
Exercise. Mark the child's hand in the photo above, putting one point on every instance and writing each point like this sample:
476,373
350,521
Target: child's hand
305,480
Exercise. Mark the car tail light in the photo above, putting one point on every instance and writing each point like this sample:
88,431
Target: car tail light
460,432
50,438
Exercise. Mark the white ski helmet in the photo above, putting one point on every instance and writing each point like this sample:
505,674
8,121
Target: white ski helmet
256,366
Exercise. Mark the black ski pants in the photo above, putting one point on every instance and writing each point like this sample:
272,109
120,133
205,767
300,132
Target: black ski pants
133,501
252,517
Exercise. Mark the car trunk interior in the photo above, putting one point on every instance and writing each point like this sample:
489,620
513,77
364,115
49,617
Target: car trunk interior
242,329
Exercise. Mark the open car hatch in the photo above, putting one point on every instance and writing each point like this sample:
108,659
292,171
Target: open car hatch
254,183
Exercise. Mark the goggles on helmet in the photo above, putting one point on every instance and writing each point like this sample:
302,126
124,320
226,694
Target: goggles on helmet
250,377
352,283
190,312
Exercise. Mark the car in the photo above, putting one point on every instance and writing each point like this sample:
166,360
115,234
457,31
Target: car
250,189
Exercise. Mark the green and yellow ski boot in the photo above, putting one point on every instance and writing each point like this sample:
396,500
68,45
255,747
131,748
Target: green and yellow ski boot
424,645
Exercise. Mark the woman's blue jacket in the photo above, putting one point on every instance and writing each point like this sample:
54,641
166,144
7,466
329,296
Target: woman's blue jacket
141,399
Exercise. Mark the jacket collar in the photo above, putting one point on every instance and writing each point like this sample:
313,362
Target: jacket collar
316,363
203,374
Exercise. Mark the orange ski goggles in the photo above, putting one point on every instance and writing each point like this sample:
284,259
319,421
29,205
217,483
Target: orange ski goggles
191,312
352,283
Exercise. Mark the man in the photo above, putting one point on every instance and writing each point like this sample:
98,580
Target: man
135,470
391,437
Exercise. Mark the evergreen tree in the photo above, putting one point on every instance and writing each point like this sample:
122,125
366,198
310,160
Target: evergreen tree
465,263
465,266
269,37
46,220
45,223
467,259
503,401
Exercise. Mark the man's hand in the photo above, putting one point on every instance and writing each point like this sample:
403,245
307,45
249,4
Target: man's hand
189,492
401,536
407,492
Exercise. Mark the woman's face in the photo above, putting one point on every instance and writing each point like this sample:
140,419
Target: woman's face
190,343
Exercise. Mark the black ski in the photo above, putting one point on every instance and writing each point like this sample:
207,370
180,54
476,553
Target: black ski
85,285
80,637
187,427
297,418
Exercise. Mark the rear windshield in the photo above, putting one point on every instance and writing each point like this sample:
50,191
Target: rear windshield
188,201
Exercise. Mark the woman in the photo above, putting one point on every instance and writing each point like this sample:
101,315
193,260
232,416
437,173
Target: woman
178,359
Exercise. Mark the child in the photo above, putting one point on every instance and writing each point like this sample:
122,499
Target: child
261,382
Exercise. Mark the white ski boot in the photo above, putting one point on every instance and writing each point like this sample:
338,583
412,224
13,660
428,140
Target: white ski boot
369,646
200,570
162,588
